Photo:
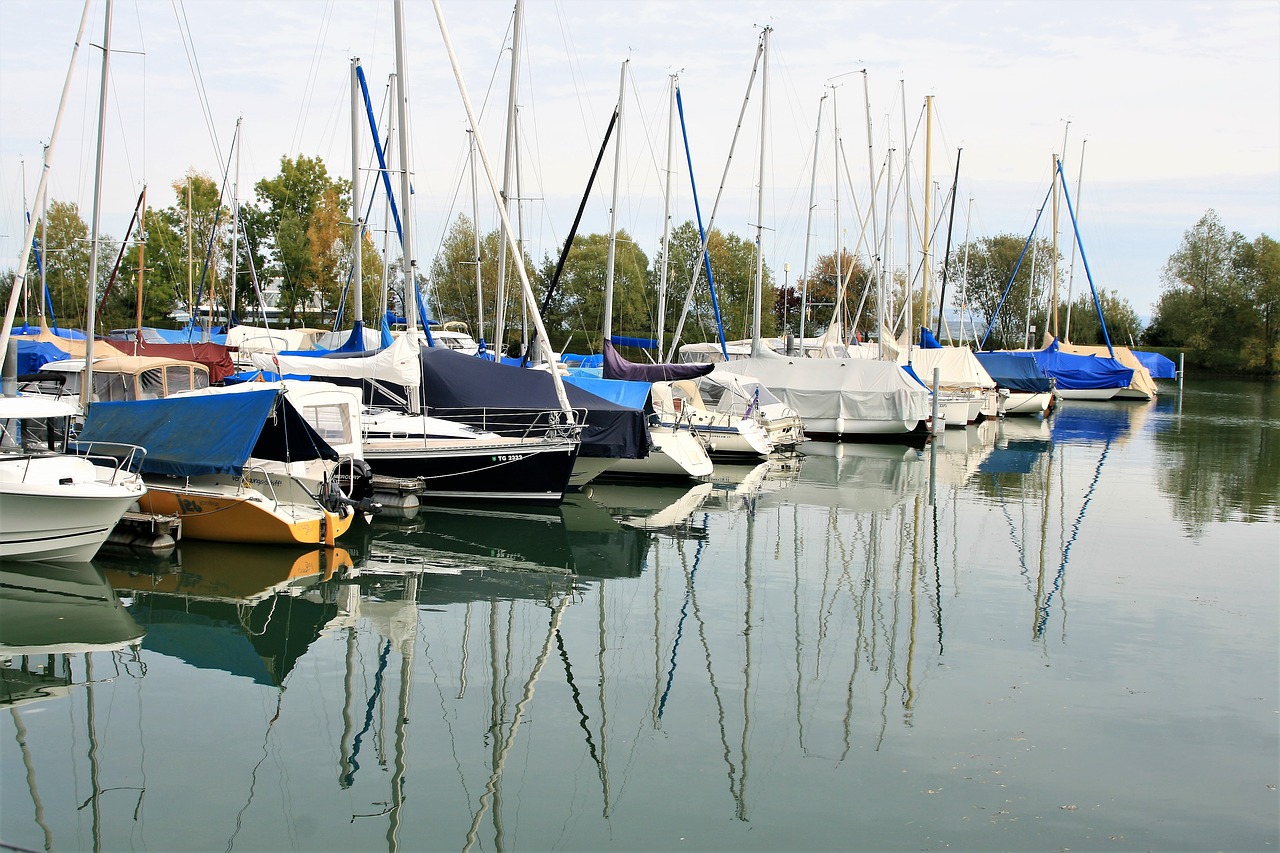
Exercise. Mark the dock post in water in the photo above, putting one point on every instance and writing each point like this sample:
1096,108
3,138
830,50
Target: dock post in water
938,425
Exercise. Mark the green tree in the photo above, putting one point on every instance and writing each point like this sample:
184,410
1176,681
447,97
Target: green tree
66,252
992,261
821,289
1205,305
577,307
287,206
1257,266
733,267
1122,321
453,279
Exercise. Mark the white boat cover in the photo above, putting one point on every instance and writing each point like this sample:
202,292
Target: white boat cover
256,339
854,389
960,368
396,364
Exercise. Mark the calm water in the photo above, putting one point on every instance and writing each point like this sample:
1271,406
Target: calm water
1038,636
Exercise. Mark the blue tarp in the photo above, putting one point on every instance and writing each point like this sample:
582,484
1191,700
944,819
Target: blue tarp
208,434
927,340
574,359
1157,365
1082,372
1016,371
33,355
633,395
641,343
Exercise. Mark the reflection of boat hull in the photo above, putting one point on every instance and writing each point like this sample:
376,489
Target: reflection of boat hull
60,608
225,571
218,509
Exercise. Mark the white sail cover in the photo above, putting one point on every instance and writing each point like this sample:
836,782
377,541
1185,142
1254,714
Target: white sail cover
960,368
397,364
848,395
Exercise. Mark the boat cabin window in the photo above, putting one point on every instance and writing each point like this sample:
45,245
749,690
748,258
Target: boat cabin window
111,387
331,422
34,435
151,384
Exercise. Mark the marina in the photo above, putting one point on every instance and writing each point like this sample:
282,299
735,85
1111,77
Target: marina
1031,633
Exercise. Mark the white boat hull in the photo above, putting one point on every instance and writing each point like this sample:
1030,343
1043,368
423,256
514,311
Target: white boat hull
1022,403
1094,394
64,523
674,453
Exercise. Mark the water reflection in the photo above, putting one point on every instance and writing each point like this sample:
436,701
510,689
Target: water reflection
736,656
238,609
48,613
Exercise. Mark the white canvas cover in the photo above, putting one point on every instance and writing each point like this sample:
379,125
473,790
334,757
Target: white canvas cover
255,339
848,389
961,369
397,364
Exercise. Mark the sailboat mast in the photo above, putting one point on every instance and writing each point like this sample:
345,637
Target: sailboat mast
666,212
926,238
406,166
142,258
808,228
1071,270
387,215
475,233
875,225
525,286
235,224
357,195
508,158
613,213
906,194
1054,288
86,389
42,185
758,289
835,140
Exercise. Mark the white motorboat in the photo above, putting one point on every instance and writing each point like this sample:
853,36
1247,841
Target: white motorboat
55,504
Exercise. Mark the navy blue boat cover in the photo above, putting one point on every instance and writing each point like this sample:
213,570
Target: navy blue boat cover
452,380
1080,372
1157,365
1016,371
617,367
207,434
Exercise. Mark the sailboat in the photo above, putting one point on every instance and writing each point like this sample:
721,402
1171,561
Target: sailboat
838,399
56,504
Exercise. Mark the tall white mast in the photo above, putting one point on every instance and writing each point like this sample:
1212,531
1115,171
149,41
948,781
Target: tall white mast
906,194
357,198
613,211
666,212
808,228
387,219
475,229
527,288
835,139
42,186
406,204
508,158
927,319
758,289
235,221
86,390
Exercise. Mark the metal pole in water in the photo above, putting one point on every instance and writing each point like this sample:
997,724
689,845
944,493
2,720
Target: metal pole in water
1181,375
937,426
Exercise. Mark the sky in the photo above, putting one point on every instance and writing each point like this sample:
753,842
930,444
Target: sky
1160,111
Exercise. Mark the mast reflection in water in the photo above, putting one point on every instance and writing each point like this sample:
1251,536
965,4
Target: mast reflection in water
985,643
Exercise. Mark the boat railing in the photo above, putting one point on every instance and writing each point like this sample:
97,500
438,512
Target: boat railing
121,459
517,423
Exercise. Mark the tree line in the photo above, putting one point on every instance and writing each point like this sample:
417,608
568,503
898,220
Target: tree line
1220,301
